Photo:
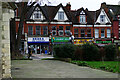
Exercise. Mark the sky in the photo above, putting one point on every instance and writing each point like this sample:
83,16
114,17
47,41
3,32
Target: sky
90,4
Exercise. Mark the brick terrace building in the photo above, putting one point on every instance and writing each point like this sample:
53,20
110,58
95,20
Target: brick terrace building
46,25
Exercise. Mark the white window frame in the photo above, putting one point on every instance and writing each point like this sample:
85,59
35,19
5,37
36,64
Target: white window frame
82,19
61,31
60,15
96,33
108,33
102,19
55,32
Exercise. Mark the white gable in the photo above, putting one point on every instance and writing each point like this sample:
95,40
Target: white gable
106,19
82,12
65,16
39,13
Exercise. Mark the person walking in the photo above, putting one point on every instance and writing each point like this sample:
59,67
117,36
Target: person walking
29,52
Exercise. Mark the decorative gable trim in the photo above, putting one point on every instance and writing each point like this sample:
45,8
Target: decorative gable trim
103,15
82,12
61,15
37,14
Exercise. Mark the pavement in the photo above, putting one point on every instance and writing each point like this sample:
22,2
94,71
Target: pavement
40,56
55,69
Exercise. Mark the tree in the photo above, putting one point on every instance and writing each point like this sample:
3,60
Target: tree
24,6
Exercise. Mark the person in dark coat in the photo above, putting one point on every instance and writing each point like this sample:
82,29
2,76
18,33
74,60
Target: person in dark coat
29,52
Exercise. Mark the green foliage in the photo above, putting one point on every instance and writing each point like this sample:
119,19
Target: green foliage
64,51
111,66
90,52
110,52
78,53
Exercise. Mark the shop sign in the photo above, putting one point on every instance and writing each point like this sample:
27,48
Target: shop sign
38,39
103,42
60,39
82,41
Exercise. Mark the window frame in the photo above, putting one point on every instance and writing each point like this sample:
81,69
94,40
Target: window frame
82,19
89,33
76,33
45,30
61,30
97,33
30,32
36,31
102,33
61,15
109,33
102,18
54,30
82,33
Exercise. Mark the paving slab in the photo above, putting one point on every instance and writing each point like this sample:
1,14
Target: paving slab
55,69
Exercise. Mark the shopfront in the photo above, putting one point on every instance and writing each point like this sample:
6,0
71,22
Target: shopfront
81,41
39,44
60,40
103,42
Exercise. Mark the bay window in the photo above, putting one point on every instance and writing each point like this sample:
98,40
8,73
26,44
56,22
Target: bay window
75,32
61,33
54,30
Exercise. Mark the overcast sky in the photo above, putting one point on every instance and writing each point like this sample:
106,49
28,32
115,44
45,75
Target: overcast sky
90,4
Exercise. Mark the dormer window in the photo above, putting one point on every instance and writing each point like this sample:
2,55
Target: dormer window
102,18
82,19
60,15
37,15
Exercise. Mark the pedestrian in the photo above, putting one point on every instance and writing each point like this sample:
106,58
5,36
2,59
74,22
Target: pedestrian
29,52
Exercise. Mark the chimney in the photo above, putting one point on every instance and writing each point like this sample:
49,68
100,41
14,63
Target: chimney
103,5
68,6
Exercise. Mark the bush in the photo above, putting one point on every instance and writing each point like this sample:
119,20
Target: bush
110,52
90,52
78,53
64,51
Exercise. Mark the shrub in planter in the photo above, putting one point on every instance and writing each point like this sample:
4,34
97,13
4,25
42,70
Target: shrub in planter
64,51
110,52
90,52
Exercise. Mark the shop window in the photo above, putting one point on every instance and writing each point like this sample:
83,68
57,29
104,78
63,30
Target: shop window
61,33
67,30
102,18
108,33
45,30
38,30
30,30
60,15
82,19
96,33
54,30
82,32
102,33
88,32
75,32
